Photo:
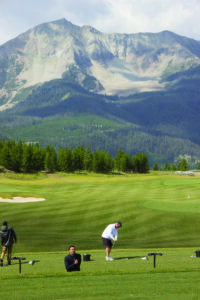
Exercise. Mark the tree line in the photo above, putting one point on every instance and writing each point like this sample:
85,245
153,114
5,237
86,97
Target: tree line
30,157
181,166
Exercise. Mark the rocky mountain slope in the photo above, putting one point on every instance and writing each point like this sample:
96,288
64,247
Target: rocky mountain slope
111,64
142,89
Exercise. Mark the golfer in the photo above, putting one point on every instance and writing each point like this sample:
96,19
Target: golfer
8,238
72,260
110,233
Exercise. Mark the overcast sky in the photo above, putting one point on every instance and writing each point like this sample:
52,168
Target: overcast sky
122,16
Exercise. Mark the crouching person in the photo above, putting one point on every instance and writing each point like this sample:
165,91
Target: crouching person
72,260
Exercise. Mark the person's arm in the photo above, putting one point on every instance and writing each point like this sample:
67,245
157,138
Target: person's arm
115,235
79,260
69,264
14,236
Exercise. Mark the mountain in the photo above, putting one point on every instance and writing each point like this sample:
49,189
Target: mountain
139,91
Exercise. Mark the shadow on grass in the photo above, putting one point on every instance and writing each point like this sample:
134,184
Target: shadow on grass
128,257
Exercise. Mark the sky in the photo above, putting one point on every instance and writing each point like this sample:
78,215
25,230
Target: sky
109,16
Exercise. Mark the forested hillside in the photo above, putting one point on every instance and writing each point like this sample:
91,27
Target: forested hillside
65,85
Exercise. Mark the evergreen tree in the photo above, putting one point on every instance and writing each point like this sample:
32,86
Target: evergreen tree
65,160
107,162
140,163
167,167
125,163
31,158
61,160
145,163
50,159
6,157
182,165
69,161
101,162
95,161
1,145
78,158
38,159
155,167
88,159
117,159
135,163
173,167
27,158
16,154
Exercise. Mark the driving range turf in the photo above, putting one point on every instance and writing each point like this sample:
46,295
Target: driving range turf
159,211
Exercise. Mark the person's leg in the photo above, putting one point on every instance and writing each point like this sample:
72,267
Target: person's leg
108,250
9,254
4,248
108,246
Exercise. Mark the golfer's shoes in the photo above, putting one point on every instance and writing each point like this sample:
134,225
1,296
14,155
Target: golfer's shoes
1,262
109,258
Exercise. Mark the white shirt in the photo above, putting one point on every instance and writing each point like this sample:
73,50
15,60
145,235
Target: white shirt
110,232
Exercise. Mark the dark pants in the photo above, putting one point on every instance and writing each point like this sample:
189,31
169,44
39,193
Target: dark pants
107,243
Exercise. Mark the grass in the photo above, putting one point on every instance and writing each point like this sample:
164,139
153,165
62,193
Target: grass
159,212
176,276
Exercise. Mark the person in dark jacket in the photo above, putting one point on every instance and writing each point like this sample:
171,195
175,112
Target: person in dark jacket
8,238
73,260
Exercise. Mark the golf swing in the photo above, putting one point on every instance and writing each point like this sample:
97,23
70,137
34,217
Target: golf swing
110,233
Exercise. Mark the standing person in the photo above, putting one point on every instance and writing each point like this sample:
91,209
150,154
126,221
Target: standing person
8,238
110,233
72,260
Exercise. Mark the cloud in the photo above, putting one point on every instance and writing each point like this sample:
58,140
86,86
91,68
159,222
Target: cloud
133,16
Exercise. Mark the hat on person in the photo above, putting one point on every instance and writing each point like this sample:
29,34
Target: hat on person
5,223
119,223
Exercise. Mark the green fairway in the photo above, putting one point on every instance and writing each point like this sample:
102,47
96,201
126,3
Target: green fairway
159,212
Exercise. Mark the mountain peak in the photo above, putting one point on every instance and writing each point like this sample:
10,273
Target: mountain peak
55,25
63,22
121,64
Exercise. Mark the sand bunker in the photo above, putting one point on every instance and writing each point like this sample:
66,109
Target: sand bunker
21,200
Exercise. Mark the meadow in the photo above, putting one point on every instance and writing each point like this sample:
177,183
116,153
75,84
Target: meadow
159,212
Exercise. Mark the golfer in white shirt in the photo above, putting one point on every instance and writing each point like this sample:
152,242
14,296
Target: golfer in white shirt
110,233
